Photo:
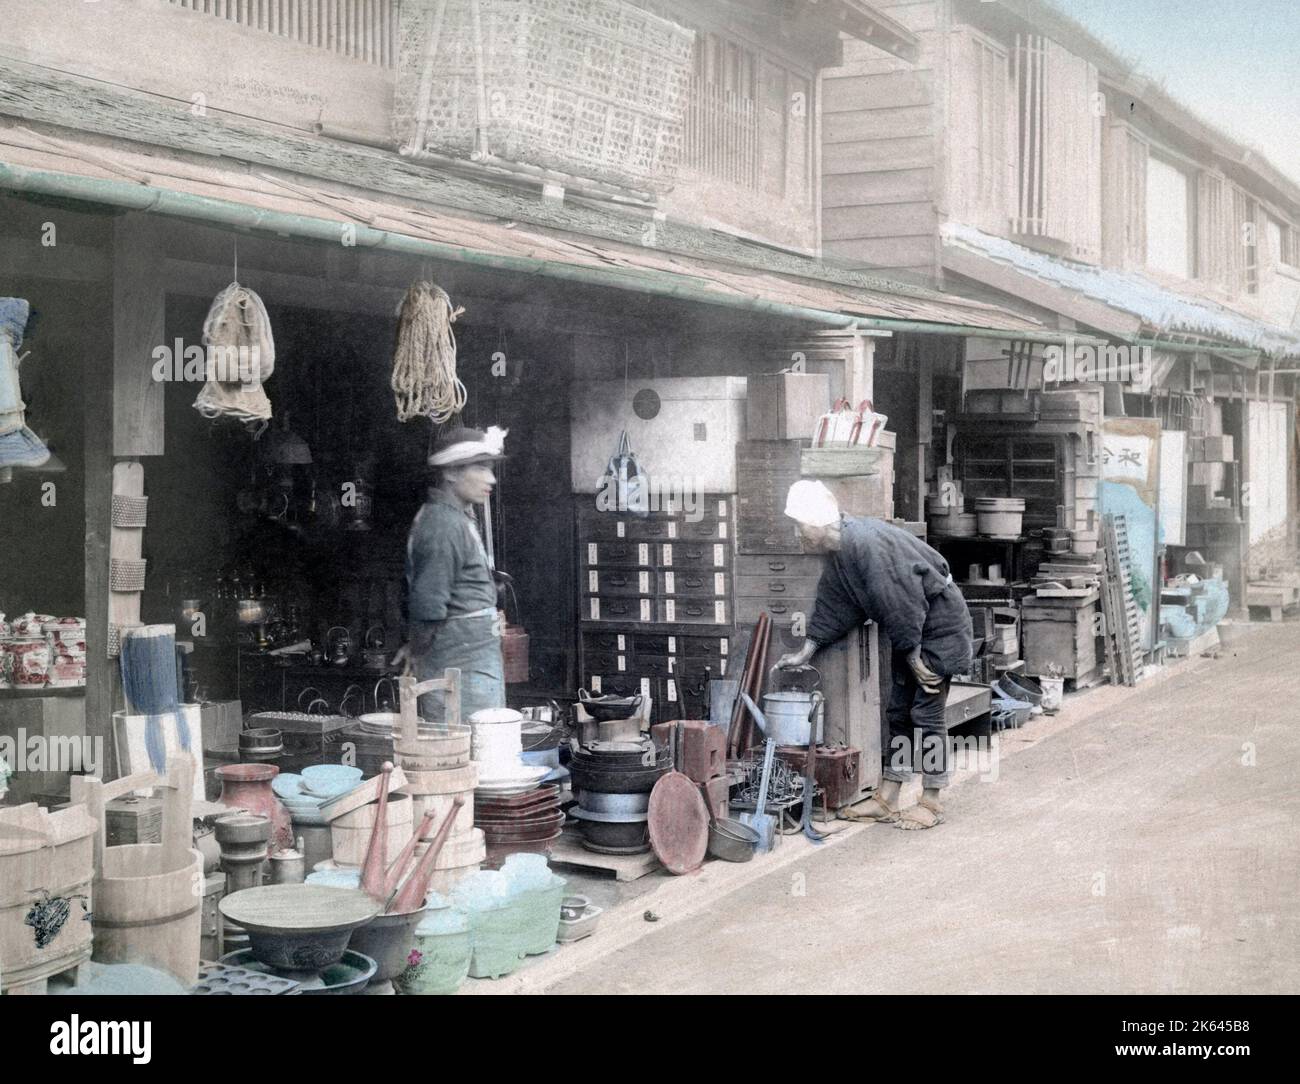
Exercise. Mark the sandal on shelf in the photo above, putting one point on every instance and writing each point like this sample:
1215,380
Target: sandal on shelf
873,810
920,816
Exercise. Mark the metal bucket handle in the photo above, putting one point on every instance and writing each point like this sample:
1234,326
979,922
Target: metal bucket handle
799,670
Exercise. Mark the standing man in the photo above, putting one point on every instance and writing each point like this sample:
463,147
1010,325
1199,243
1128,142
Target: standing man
451,591
878,572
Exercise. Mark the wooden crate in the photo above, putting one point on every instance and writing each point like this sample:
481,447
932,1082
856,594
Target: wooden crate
785,406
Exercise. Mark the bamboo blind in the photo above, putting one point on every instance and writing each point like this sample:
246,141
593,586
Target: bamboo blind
365,30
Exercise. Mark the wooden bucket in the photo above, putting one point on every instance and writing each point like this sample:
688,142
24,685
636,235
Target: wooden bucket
148,896
460,849
44,853
440,806
350,833
450,782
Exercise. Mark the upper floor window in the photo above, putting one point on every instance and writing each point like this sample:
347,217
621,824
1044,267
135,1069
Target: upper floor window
1169,219
1282,243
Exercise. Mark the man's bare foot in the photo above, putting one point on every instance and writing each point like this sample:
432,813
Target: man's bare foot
873,809
925,814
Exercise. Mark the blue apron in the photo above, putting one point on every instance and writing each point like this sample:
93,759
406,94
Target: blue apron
471,643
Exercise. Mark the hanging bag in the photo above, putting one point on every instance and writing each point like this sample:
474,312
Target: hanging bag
625,486
844,427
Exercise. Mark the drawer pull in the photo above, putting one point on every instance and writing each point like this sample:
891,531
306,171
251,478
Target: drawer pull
776,588
777,609
694,581
776,566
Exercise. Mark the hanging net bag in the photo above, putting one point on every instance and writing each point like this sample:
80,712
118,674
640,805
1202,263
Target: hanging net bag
240,357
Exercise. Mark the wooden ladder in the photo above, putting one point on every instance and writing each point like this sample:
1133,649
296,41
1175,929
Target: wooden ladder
1123,625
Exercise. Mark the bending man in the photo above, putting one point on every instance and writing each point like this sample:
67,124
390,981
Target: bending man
878,572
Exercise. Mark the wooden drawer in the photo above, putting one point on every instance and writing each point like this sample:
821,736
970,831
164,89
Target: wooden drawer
772,533
774,585
705,647
769,455
690,583
702,611
625,610
624,554
805,565
966,702
613,684
658,666
613,643
619,582
688,555
781,608
607,527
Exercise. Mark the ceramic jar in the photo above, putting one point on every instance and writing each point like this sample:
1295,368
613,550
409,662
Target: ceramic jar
248,787
66,639
438,962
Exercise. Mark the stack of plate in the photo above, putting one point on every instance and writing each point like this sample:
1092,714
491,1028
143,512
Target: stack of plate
531,821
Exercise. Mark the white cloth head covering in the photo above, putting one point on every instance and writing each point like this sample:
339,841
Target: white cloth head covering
812,503
464,446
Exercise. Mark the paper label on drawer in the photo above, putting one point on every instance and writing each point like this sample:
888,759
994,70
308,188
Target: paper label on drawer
668,555
672,645
722,529
593,582
672,665
591,553
643,553
672,691
645,688
722,510
720,613
722,645
646,615
670,583
595,609
719,555
622,663
672,530
719,583
621,528
670,610
595,683
722,668
622,642
644,581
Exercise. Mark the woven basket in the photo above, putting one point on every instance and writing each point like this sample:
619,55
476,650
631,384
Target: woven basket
115,639
593,88
130,511
126,574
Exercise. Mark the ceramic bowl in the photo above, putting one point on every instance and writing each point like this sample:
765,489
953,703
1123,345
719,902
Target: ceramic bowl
329,780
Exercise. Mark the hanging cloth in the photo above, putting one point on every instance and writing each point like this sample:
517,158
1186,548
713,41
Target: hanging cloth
240,357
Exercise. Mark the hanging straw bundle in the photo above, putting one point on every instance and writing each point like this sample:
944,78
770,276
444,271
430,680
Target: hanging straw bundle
149,682
424,364
241,356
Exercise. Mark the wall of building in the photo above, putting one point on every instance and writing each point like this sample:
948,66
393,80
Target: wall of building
881,150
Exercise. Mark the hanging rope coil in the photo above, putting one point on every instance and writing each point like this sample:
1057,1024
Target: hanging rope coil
240,357
424,379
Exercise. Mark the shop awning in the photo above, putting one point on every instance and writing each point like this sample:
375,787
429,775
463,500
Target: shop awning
283,203
1120,303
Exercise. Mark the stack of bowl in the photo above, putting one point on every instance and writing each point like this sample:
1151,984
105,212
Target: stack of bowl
614,781
515,823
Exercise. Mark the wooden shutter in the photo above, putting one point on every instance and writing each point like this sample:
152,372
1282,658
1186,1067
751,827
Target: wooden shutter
980,130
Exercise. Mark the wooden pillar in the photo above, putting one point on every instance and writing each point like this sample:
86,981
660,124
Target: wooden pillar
124,418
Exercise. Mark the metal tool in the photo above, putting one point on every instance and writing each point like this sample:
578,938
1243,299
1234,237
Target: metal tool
760,820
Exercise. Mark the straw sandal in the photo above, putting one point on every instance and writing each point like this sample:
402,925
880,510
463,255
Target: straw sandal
920,816
873,810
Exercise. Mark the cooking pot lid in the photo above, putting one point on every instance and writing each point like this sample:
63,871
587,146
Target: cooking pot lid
679,823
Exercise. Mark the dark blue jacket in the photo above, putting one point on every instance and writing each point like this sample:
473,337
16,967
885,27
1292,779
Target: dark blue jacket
885,574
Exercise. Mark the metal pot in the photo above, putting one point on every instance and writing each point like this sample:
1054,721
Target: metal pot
615,782
606,708
599,802
732,841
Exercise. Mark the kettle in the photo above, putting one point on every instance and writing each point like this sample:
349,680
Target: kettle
338,650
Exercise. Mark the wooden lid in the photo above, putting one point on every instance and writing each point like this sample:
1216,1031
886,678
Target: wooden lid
679,823
298,907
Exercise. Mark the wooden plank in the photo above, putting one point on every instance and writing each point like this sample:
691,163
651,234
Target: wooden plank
888,91
877,155
139,302
883,220
23,258
877,124
891,186
569,851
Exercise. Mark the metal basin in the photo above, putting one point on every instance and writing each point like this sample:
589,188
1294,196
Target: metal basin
732,841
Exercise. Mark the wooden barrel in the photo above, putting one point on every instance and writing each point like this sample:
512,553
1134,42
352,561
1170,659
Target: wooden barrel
350,833
440,806
146,917
451,782
462,853
54,852
444,749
